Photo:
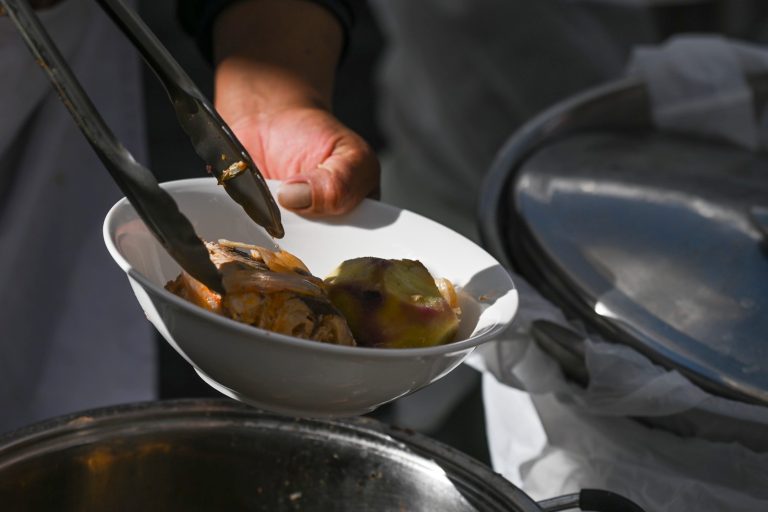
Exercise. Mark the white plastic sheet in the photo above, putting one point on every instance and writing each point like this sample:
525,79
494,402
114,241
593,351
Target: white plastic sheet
698,85
560,438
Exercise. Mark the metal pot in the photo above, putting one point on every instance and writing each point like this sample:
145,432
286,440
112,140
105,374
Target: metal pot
197,455
649,239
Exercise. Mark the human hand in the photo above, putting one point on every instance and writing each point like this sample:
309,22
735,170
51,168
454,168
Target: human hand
275,65
327,169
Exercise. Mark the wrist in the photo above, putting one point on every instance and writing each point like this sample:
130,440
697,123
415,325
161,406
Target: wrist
244,89
272,55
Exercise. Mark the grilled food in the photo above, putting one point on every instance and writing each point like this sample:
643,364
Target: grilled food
368,301
394,303
267,289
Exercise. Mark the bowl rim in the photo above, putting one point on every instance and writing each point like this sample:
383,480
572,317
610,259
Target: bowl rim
271,336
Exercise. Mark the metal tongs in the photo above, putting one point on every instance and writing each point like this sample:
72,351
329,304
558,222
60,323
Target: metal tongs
212,139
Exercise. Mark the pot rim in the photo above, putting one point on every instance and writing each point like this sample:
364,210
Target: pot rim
79,428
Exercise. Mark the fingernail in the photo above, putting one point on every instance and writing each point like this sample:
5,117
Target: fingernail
296,195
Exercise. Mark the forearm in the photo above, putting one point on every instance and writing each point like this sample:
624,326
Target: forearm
274,54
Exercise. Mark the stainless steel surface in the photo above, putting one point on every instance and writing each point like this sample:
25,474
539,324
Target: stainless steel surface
156,208
650,234
567,502
222,455
590,499
622,105
212,139
646,237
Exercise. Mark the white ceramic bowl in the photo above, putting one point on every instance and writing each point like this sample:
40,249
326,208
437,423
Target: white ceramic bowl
290,375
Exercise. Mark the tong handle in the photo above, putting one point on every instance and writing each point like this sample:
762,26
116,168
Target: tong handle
211,137
173,77
154,205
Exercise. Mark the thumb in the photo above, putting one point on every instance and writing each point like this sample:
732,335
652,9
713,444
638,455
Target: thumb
335,186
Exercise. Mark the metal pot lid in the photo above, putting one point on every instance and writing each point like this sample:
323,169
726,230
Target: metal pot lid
658,241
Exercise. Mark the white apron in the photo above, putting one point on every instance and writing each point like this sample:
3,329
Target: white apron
71,334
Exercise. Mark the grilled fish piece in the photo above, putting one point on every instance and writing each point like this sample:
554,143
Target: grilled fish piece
272,290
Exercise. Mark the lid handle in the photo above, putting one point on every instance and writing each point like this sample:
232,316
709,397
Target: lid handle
595,500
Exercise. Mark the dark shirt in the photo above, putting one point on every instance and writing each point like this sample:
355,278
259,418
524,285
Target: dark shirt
197,18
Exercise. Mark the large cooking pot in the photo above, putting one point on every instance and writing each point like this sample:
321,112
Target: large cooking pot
653,240
214,455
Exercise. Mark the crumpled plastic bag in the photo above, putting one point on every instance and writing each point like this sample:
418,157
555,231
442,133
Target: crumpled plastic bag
622,382
698,85
558,437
